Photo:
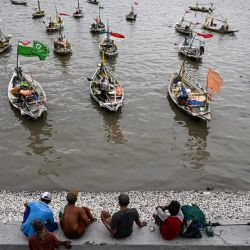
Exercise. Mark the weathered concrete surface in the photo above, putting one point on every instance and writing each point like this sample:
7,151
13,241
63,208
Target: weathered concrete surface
97,238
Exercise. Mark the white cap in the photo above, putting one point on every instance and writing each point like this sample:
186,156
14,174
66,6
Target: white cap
46,196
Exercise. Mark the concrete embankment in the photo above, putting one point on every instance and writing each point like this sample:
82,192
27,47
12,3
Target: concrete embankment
97,238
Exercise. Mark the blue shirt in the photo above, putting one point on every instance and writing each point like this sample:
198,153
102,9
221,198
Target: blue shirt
38,210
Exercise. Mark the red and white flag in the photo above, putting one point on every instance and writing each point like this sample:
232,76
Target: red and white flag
25,43
205,35
117,35
63,14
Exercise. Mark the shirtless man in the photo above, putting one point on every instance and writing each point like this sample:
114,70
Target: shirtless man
75,219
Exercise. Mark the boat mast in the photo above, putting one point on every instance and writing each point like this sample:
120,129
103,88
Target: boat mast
78,4
39,7
100,13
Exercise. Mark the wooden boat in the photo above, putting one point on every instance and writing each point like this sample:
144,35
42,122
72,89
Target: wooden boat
108,46
5,42
202,7
93,1
192,48
218,25
62,45
26,94
105,89
184,27
78,12
20,2
55,24
98,27
132,15
38,12
190,97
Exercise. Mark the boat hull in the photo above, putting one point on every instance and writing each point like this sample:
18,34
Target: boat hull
19,2
201,9
5,48
183,30
110,51
131,17
219,30
31,108
77,15
92,2
201,112
113,102
38,14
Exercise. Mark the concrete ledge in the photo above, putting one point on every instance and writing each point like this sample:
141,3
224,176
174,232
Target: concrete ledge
96,237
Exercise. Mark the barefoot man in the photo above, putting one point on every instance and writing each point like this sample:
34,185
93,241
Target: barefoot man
75,219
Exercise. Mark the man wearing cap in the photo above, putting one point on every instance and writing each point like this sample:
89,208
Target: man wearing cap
120,225
38,210
75,219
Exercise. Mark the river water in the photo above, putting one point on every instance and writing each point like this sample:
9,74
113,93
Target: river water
149,144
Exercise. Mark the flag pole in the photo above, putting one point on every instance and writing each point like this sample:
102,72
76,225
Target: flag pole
17,53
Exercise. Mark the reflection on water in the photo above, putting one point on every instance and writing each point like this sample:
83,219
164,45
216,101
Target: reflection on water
113,131
195,146
40,132
63,59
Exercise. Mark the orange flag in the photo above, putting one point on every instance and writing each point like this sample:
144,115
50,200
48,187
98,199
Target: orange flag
214,81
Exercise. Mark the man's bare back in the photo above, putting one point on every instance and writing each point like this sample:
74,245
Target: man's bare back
75,219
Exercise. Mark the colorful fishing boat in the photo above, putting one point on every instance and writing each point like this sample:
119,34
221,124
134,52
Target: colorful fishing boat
62,45
184,27
202,7
25,93
105,89
5,42
193,47
78,12
98,27
108,46
190,97
38,11
132,15
218,25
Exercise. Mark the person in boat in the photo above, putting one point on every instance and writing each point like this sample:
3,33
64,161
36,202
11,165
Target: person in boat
186,41
44,240
75,219
183,97
212,22
38,210
170,224
222,27
120,224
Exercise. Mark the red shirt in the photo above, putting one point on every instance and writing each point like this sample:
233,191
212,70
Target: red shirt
50,242
171,227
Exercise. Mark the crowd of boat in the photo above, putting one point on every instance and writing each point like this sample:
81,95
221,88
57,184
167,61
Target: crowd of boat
28,96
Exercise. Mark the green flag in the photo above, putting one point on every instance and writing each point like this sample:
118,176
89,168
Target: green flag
36,49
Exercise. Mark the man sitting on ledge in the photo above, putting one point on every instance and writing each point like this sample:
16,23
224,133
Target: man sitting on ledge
38,210
120,225
75,219
45,240
170,225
